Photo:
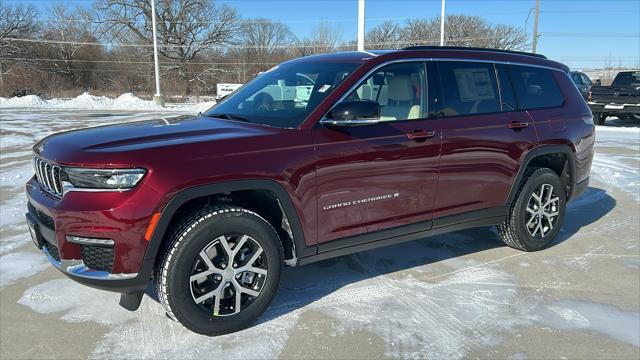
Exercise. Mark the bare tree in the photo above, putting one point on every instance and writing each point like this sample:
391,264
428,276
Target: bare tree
384,36
325,38
262,42
507,37
420,32
186,28
464,30
15,22
72,45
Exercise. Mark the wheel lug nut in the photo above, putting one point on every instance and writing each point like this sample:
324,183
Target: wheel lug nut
235,265
218,277
223,266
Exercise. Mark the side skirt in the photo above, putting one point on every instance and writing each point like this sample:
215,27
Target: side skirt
353,244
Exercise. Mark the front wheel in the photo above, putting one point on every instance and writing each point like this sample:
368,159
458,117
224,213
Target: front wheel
536,216
220,270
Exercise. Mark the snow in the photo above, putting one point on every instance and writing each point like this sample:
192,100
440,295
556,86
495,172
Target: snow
606,319
419,297
18,265
87,101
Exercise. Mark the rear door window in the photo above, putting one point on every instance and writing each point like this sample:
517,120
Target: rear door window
535,87
469,88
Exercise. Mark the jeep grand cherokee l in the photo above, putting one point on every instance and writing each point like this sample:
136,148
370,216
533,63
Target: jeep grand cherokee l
386,147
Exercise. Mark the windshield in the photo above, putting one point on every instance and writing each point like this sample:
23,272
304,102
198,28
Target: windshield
283,96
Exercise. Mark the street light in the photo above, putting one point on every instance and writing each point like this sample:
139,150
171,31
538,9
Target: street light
360,25
157,97
442,25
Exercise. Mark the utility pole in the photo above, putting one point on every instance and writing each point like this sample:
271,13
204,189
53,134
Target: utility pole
157,98
360,25
535,27
442,25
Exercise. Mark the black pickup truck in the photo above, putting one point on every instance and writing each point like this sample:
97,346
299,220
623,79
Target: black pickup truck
621,99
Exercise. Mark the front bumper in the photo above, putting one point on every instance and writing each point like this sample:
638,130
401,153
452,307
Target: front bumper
122,217
76,269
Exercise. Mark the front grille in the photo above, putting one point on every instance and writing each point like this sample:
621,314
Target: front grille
44,218
53,250
48,175
97,257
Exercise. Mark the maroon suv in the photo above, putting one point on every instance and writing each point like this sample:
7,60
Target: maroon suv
318,157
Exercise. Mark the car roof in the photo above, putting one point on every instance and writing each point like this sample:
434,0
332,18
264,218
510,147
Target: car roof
435,52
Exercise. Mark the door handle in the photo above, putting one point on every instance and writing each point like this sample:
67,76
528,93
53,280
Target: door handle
421,134
517,125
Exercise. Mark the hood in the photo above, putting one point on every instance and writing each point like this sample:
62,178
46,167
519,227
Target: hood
74,146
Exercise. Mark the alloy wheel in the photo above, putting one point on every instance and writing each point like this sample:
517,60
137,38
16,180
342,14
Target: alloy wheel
228,274
542,211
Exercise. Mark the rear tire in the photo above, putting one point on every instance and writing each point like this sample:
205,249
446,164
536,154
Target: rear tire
599,118
220,270
535,218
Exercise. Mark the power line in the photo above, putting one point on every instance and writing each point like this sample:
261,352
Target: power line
228,46
213,22
138,62
613,35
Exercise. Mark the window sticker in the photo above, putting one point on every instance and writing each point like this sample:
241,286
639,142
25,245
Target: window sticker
474,84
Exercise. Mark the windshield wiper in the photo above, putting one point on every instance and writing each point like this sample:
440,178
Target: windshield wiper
228,117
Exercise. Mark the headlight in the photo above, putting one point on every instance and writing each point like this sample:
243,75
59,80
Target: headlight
102,178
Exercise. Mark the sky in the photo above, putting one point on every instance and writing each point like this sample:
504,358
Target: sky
583,34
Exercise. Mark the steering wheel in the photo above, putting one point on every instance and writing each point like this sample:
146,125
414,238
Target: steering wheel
263,102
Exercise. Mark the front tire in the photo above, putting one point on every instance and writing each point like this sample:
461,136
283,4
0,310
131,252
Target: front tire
220,271
535,218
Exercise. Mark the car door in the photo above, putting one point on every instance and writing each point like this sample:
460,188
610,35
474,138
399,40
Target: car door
483,140
381,175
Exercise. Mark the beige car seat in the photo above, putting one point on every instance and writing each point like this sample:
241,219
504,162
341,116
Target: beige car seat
400,102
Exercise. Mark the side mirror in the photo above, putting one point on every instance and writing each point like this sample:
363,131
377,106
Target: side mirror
353,113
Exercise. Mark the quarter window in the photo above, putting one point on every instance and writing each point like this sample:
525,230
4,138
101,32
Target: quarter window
399,89
535,87
469,88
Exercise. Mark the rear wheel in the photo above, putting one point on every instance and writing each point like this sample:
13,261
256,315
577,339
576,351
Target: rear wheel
536,216
599,118
220,271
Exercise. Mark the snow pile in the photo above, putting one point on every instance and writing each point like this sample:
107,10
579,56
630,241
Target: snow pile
126,101
24,101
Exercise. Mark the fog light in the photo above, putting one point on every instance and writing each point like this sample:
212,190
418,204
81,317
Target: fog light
89,241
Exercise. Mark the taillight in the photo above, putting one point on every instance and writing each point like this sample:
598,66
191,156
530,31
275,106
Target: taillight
589,96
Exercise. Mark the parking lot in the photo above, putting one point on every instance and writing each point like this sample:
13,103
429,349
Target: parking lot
459,295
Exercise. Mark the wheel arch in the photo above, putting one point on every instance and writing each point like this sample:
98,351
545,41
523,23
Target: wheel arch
180,201
559,158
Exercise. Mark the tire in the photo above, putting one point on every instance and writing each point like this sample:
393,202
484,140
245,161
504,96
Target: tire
516,231
200,235
599,118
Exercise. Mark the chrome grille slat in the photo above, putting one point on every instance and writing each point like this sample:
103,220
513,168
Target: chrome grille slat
48,175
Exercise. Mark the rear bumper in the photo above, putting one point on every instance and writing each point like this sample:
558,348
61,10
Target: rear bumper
614,108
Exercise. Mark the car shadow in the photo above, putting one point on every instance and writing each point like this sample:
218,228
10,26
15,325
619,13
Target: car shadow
301,286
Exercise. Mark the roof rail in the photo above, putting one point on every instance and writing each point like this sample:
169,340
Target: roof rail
474,49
